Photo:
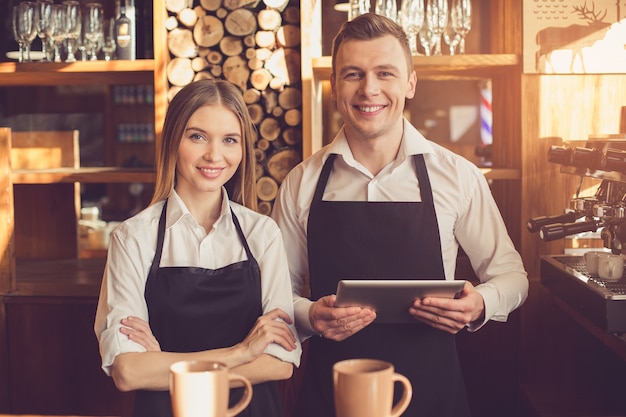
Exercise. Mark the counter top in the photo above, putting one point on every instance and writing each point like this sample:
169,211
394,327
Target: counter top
586,303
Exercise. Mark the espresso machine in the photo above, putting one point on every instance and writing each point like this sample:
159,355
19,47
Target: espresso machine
603,158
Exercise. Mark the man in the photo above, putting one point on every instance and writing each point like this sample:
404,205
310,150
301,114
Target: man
379,202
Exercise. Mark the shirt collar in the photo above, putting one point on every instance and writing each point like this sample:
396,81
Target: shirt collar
413,143
177,210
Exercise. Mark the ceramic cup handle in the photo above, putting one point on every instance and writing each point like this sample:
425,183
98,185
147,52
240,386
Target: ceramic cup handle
247,395
407,394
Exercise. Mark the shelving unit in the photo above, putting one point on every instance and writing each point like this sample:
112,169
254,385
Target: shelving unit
47,295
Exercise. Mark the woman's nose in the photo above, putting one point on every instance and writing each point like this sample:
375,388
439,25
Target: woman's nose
211,152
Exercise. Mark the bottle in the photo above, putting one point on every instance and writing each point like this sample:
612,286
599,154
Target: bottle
125,35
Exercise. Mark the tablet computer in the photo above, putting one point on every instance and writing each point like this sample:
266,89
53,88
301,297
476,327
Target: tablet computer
391,299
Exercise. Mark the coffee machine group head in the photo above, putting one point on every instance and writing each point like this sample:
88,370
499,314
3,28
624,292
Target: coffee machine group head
603,158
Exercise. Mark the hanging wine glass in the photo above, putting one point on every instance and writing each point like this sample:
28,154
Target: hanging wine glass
94,19
44,28
437,17
461,20
74,23
387,8
24,28
411,17
59,29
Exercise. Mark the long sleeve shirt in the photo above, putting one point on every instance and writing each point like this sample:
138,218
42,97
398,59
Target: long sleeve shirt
467,215
186,243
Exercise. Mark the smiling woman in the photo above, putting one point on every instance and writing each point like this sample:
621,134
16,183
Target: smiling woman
199,258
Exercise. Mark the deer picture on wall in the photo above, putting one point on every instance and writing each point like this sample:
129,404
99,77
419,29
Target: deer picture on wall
566,36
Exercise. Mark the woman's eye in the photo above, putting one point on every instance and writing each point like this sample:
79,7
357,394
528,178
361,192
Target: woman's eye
230,140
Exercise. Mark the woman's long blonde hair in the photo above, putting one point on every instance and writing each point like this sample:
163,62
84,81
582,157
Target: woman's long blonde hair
241,187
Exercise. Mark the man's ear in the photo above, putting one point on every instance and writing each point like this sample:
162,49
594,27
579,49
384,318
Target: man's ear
410,93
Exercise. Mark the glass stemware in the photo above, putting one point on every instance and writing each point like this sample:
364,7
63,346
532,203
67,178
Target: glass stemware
74,23
437,18
461,20
94,20
426,38
15,16
44,28
358,7
387,8
108,39
411,18
59,29
24,28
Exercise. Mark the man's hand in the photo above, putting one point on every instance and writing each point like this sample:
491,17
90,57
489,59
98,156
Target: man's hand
338,323
447,314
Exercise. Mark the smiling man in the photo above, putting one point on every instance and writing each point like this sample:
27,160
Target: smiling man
382,202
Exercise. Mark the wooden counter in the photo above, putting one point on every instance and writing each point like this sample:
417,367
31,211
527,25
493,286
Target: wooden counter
59,277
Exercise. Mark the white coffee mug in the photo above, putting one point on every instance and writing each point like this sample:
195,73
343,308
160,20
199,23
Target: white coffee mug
591,261
610,266
201,388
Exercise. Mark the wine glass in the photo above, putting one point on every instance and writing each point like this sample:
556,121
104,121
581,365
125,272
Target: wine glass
461,20
108,44
44,28
59,29
411,17
451,38
94,20
426,38
437,18
15,16
24,28
72,10
358,7
387,8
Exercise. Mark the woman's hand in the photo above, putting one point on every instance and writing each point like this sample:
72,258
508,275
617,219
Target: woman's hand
269,329
138,330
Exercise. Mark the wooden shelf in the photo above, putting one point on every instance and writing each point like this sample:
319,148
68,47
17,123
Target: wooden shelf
501,173
96,72
85,175
444,66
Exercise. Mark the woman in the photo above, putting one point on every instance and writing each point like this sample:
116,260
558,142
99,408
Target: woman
195,275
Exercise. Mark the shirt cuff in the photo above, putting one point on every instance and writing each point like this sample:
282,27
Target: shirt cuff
301,308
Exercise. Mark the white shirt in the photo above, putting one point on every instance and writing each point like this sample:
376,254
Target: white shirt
186,243
466,214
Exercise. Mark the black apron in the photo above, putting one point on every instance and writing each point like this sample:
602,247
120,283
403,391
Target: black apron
193,309
378,240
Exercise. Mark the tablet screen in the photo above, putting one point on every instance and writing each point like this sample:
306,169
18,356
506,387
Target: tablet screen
391,299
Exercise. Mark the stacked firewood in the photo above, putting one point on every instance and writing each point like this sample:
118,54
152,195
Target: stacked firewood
255,45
